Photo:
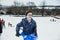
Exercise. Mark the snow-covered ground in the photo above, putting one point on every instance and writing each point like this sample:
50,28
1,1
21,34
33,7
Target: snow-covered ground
46,29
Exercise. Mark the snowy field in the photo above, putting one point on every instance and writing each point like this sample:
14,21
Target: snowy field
46,29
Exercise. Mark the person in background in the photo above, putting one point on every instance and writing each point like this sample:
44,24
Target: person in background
0,27
3,23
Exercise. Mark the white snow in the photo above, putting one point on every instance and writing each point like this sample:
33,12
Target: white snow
46,29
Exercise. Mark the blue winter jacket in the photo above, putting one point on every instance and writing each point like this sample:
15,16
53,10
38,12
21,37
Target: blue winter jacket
28,27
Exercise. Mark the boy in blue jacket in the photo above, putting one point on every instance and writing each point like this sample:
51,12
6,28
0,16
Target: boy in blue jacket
29,27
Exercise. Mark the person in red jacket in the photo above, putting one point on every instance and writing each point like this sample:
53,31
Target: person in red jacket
3,23
0,26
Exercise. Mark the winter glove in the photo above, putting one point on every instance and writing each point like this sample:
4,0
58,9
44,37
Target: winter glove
17,33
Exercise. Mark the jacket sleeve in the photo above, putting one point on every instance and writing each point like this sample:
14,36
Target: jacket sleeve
35,29
19,25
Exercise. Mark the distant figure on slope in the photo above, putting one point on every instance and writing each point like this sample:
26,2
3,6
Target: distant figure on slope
52,20
9,24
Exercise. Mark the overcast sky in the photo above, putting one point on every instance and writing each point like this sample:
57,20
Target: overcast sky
37,2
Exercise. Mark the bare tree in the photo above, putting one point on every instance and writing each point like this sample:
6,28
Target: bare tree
31,5
43,6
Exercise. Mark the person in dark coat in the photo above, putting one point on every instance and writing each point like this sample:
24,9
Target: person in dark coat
29,27
0,26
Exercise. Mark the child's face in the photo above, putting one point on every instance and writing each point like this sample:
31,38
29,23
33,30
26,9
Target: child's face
29,15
